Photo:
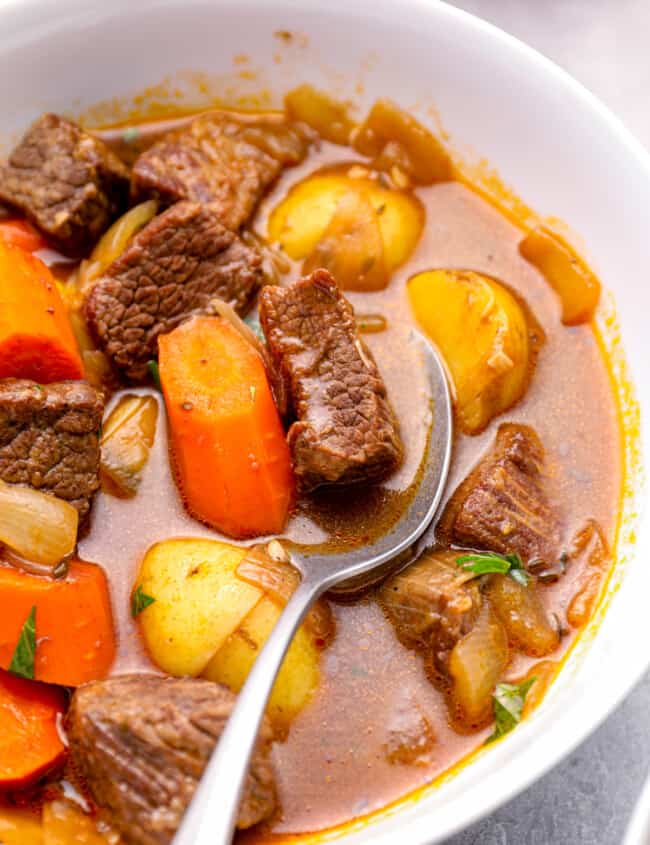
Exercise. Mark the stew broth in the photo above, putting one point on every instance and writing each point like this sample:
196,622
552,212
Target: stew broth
333,766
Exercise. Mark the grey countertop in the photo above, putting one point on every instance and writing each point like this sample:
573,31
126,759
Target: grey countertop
587,799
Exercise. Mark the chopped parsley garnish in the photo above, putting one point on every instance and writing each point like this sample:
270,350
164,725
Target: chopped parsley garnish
508,701
154,372
491,563
22,662
140,601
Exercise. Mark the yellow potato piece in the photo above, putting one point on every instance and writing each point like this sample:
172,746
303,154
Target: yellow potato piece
303,216
19,827
351,246
298,677
482,333
198,601
66,824
329,117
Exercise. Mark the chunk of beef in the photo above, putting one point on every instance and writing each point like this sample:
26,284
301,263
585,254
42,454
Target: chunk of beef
220,160
66,182
141,743
432,604
346,430
501,506
171,269
49,438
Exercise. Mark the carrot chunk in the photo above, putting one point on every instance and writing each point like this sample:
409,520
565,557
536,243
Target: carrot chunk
36,340
30,743
22,234
231,457
75,641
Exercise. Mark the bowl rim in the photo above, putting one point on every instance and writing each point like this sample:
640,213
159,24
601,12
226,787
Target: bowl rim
573,730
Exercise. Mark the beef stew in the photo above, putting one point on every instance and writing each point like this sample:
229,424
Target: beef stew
260,291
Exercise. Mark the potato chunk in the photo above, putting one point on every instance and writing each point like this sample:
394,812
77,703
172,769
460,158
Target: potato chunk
483,335
354,227
198,601
298,677
65,824
395,139
329,117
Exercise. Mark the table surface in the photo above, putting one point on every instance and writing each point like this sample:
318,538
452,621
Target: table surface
587,799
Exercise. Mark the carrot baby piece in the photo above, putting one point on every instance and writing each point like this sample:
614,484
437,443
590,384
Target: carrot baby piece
30,742
74,641
230,454
36,340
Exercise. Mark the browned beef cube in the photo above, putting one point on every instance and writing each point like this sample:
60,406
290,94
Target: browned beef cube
501,506
171,269
141,744
220,161
432,604
49,438
346,430
66,182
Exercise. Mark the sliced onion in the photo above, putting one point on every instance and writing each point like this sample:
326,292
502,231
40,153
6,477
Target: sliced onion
37,526
127,436
264,568
522,614
224,309
114,241
476,664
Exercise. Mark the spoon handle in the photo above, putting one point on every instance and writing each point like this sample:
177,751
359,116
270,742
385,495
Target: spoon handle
212,814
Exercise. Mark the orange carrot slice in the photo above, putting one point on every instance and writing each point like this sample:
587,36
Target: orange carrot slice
230,453
30,742
36,340
75,641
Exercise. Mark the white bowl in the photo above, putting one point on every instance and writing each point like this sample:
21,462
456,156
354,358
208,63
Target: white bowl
549,138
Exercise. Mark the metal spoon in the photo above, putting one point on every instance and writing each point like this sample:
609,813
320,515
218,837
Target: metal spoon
212,814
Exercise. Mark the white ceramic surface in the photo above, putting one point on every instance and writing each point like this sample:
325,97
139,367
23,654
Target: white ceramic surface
549,139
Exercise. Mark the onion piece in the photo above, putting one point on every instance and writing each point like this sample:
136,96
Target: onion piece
262,568
476,665
113,242
127,436
224,309
522,614
37,526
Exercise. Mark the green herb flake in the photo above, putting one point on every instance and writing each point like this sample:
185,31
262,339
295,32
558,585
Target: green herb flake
131,134
22,662
508,702
491,563
154,372
140,601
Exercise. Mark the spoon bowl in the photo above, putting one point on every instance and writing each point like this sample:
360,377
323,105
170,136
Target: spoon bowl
212,814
